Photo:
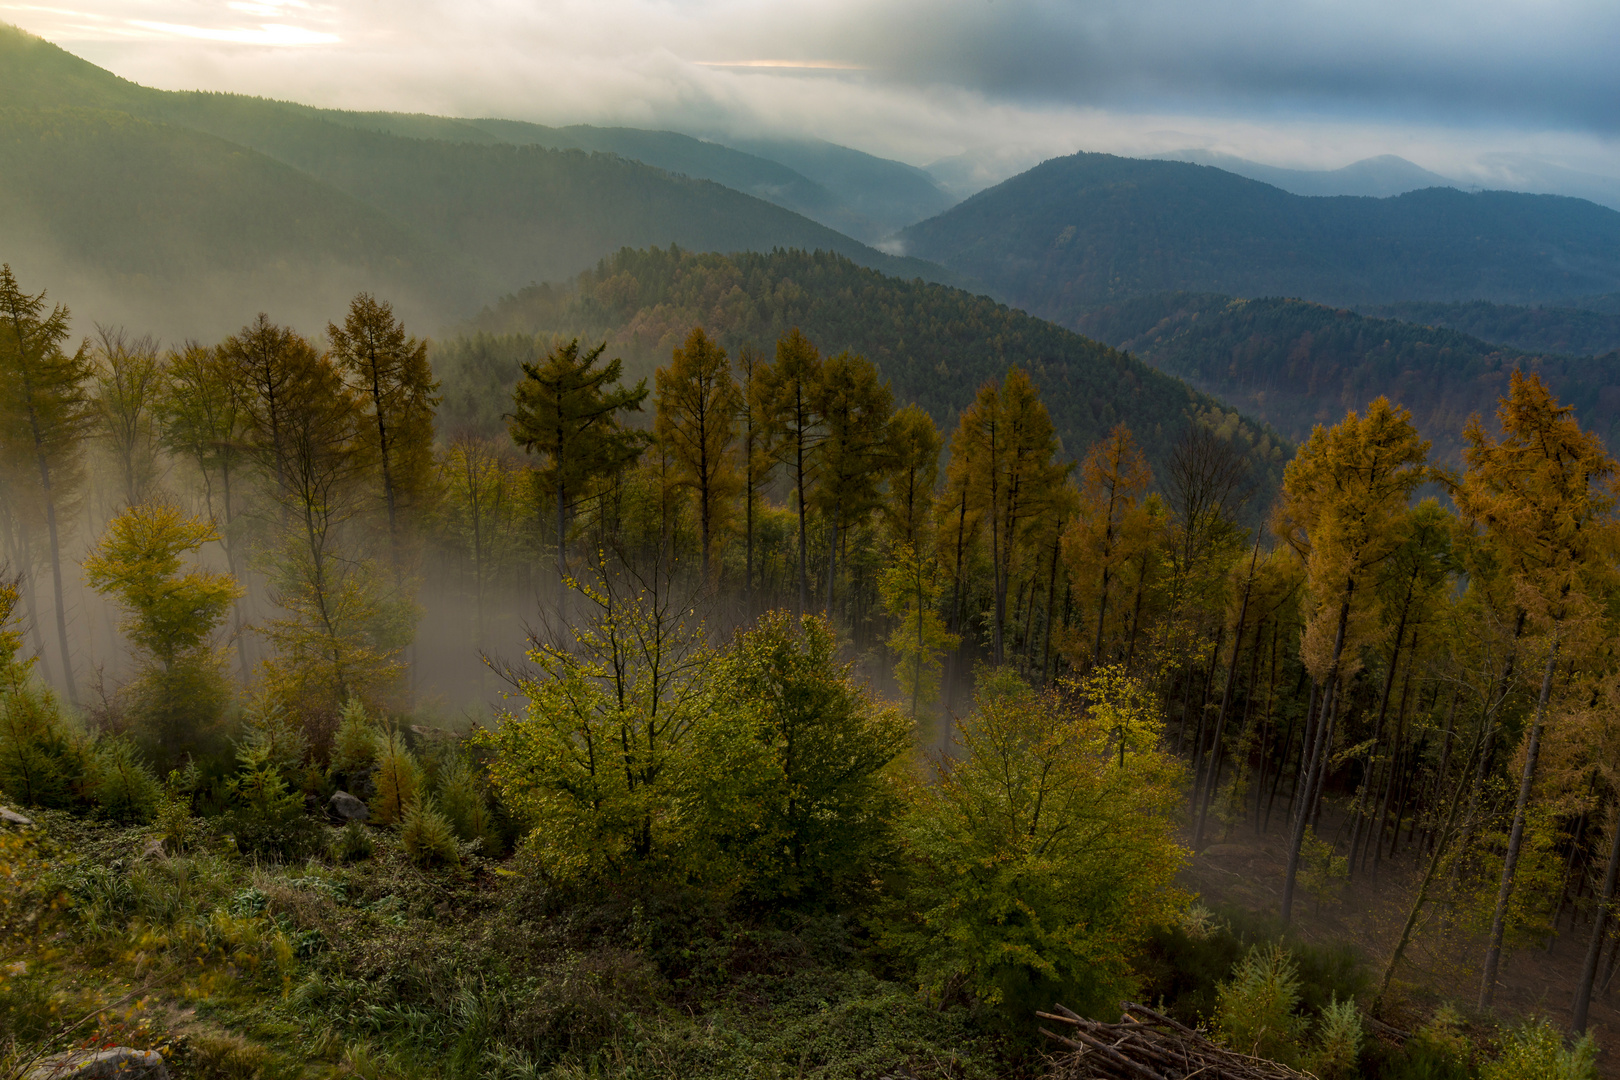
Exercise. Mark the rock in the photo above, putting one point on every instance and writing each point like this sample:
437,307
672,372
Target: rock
346,808
120,1062
11,817
154,849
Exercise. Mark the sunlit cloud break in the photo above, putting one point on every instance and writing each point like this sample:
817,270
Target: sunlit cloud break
799,65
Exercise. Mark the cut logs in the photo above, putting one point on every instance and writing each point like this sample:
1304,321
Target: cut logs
1147,1045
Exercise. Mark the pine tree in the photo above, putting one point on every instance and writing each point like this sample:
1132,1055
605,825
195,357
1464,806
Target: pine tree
44,415
568,410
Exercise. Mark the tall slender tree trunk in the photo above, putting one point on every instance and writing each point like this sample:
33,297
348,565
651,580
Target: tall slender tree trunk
1594,945
1205,795
1318,751
1510,865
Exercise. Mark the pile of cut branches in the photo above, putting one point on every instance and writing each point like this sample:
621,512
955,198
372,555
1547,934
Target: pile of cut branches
1147,1045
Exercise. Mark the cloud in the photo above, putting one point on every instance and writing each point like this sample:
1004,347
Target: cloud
997,84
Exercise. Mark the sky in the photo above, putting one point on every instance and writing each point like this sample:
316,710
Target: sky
1491,92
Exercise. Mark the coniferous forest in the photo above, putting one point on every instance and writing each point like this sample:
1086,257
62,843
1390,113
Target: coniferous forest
699,694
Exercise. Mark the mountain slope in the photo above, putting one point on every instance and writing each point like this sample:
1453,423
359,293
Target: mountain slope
1572,330
1375,177
1294,364
1090,229
936,344
432,222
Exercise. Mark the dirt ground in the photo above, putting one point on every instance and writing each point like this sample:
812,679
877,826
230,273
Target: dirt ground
1245,869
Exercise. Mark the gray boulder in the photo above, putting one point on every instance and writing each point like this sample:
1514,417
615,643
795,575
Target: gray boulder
11,817
346,808
117,1063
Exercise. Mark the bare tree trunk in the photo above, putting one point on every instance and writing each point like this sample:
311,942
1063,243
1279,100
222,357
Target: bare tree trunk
1318,751
1532,751
1600,922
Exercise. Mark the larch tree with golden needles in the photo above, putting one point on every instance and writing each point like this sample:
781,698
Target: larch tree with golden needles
1343,501
855,406
1544,492
787,408
44,416
1112,524
915,443
697,414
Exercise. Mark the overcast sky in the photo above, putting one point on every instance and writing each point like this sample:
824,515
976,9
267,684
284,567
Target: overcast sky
1463,87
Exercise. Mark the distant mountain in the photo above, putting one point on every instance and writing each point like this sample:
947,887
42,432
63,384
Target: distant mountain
1377,177
1078,232
1295,364
880,196
185,213
935,344
1571,330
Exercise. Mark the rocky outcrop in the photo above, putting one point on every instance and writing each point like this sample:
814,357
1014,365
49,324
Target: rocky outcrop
345,808
11,817
117,1063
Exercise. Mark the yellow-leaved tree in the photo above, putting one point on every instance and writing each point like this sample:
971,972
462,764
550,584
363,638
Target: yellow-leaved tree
172,611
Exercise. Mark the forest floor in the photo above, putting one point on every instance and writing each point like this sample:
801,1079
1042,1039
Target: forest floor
1244,869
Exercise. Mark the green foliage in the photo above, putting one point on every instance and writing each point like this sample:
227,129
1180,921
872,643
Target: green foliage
1337,1044
1573,331
42,760
465,804
355,747
1255,1012
1042,860
936,345
119,783
821,748
175,822
352,843
265,816
426,836
1536,1051
911,590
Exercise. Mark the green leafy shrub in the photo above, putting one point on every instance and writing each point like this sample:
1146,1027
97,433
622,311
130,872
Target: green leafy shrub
355,748
177,826
466,804
1255,1011
119,782
426,835
1536,1051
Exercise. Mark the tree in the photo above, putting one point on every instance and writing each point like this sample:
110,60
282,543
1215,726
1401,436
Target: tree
567,410
481,513
1343,501
1111,525
390,372
698,403
915,446
1042,855
129,381
171,615
911,590
855,453
1007,446
200,420
818,773
787,411
1544,491
46,414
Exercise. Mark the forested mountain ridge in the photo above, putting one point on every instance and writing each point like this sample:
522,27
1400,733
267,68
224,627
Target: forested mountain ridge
935,344
1582,330
451,220
1078,232
1295,364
